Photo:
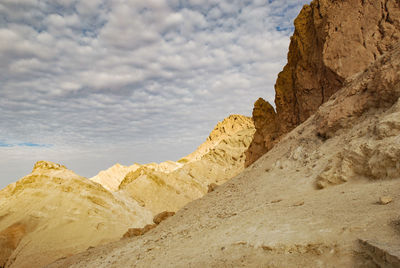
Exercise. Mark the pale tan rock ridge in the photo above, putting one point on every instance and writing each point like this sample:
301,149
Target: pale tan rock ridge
333,40
218,159
230,126
53,213
112,177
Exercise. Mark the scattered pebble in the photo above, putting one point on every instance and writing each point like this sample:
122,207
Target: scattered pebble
384,200
298,204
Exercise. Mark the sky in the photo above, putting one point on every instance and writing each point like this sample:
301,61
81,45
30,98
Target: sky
92,83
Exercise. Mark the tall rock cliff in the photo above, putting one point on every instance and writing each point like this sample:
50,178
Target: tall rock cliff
333,40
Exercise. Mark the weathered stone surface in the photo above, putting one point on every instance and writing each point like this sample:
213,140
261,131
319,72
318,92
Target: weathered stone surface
212,187
333,40
384,200
162,216
264,118
139,231
382,254
9,240
377,88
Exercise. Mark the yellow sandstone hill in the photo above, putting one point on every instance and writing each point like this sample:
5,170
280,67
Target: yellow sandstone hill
170,185
112,177
53,213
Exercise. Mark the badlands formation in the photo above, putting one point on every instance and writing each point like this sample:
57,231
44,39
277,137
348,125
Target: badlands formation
54,213
325,190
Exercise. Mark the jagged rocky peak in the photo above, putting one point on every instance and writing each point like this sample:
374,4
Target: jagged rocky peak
47,165
230,125
333,41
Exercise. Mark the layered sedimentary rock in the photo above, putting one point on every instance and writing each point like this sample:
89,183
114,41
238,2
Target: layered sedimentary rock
333,40
53,213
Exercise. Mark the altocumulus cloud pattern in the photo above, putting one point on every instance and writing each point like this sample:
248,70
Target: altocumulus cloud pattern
90,83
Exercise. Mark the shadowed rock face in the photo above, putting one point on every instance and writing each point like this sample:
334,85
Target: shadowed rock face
9,240
333,40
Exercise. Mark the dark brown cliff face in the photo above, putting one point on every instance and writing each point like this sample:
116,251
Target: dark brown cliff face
333,40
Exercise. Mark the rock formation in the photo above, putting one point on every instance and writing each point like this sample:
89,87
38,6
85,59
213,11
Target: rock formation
157,220
53,213
217,160
112,177
281,212
333,40
162,216
170,185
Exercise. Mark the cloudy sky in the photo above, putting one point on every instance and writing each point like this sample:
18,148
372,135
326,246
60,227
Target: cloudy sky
95,82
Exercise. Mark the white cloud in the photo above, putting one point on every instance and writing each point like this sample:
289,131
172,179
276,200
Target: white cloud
123,80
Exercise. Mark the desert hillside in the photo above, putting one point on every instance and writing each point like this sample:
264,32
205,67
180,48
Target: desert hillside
53,212
327,195
324,191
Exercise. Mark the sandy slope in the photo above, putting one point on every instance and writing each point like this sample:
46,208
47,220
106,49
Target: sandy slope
307,203
53,212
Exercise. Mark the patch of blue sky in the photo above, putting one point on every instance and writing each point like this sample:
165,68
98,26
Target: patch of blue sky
4,144
25,144
30,144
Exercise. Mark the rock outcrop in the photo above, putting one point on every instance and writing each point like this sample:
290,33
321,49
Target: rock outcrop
333,40
53,213
377,158
157,220
112,177
162,216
